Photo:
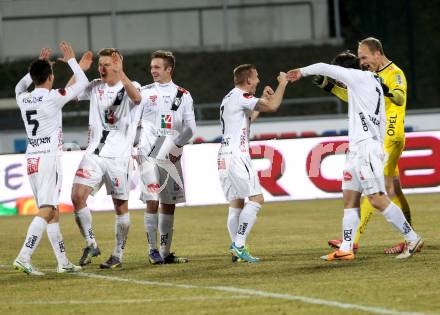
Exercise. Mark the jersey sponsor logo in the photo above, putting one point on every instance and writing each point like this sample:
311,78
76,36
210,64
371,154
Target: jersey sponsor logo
62,92
166,121
83,173
391,126
32,165
36,142
247,95
347,176
364,123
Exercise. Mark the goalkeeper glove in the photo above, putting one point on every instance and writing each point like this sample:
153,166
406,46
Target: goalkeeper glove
386,90
323,82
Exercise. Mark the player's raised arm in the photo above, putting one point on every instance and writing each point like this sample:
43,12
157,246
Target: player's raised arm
132,92
81,80
26,81
270,101
85,63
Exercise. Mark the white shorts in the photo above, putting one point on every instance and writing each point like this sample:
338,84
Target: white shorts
158,182
238,178
95,170
45,177
363,170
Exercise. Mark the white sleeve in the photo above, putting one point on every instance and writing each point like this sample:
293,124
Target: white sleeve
189,130
248,101
23,85
189,122
62,96
338,73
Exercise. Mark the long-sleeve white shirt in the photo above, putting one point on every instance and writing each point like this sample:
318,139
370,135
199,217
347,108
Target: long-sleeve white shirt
41,111
366,105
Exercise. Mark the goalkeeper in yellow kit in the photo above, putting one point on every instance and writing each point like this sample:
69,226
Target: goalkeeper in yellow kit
372,58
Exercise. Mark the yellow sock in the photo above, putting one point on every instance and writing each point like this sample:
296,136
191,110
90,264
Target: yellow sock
367,211
405,207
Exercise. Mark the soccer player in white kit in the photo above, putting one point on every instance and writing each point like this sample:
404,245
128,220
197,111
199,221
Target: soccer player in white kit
237,175
113,119
168,123
363,170
42,117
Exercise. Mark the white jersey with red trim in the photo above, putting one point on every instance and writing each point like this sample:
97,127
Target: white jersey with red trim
366,104
158,119
41,112
235,119
113,119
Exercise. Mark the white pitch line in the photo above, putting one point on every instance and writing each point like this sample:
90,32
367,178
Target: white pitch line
252,292
131,301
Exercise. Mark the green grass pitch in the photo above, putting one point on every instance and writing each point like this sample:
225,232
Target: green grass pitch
291,279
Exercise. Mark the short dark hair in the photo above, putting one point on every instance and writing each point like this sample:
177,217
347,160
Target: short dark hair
40,71
347,59
242,73
167,56
373,44
108,52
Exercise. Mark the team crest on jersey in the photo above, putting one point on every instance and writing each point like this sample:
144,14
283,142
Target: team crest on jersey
153,99
101,93
109,116
32,165
62,91
166,121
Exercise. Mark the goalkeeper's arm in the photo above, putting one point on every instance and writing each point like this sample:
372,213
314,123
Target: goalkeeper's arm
329,85
396,96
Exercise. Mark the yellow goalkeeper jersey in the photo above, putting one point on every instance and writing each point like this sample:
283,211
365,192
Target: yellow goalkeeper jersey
395,79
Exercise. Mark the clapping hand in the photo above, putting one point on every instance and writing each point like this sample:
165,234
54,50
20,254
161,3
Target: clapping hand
86,60
67,51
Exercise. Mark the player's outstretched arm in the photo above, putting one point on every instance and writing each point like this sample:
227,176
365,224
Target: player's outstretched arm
26,81
81,80
132,92
270,101
85,64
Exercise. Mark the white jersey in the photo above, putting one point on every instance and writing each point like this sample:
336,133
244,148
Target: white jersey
113,119
158,118
366,105
235,118
41,112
